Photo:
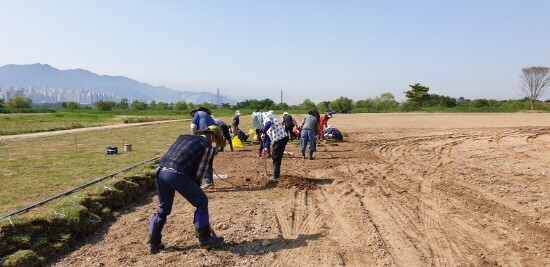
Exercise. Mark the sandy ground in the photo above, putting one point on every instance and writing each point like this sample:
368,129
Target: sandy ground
402,190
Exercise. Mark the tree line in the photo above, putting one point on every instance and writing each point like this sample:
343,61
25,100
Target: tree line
535,82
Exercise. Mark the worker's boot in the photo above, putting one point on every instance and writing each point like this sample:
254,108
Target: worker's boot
206,239
303,154
155,234
276,172
311,154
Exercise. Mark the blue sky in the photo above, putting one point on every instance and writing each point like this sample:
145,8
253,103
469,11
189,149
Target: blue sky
319,50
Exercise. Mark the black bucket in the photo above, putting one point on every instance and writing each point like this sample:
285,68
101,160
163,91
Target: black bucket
112,150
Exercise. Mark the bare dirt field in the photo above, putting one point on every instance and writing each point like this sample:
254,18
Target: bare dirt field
402,190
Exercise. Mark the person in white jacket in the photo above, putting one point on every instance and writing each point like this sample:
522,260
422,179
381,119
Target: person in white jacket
258,123
279,138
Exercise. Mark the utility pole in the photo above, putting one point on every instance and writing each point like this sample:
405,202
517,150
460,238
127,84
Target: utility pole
281,96
218,106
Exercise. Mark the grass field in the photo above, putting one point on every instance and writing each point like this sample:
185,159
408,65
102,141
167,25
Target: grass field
34,169
20,123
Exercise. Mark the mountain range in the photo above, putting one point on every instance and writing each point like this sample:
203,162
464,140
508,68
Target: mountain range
45,76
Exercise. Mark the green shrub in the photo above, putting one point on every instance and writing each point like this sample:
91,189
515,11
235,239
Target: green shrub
23,258
31,240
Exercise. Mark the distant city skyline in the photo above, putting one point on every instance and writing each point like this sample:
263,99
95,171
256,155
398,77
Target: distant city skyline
56,95
319,50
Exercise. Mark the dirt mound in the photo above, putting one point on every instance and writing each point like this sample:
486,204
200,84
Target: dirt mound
301,183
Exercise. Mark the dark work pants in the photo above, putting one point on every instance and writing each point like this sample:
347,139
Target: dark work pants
288,130
168,183
227,136
278,151
259,134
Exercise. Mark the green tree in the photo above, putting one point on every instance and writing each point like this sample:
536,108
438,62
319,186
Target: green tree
417,96
479,103
440,100
73,105
207,105
368,104
163,106
267,104
281,106
323,105
254,104
138,105
387,100
494,103
20,102
123,104
153,105
180,105
308,105
104,105
342,104
2,102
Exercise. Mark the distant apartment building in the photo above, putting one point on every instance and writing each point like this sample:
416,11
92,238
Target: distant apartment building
56,95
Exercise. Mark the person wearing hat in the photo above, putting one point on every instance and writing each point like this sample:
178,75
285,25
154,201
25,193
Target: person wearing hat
258,123
323,124
201,119
289,124
276,132
235,124
225,131
181,170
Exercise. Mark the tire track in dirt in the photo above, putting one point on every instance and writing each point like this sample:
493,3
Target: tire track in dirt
415,152
501,173
387,215
296,219
440,249
522,149
349,223
385,204
431,198
541,139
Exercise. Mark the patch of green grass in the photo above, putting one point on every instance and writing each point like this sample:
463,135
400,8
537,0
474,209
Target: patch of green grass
20,123
23,258
51,229
30,123
34,169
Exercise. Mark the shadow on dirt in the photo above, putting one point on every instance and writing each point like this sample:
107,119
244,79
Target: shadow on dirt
239,189
263,246
286,182
256,246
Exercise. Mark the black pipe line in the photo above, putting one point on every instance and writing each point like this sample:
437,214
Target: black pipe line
74,189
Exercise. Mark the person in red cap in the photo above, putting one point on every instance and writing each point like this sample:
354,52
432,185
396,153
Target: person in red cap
323,124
